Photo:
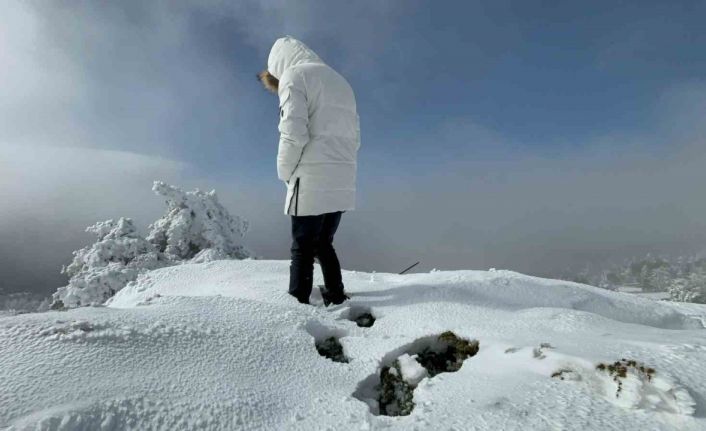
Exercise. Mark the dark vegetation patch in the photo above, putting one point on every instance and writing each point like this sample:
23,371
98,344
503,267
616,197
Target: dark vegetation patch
619,370
391,392
448,355
566,374
396,395
332,349
538,352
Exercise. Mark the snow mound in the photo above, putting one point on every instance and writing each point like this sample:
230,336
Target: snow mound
497,289
221,345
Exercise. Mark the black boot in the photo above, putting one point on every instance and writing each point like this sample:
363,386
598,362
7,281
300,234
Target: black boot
331,298
301,300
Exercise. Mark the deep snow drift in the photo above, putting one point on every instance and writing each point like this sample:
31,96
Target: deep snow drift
220,345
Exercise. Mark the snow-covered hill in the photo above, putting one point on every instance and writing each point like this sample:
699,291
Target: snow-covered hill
221,345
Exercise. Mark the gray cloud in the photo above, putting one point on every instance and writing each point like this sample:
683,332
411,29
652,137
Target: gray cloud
500,205
111,75
50,194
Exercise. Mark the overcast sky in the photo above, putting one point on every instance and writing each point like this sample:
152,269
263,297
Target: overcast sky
525,135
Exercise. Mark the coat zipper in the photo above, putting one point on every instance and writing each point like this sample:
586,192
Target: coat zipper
296,204
295,195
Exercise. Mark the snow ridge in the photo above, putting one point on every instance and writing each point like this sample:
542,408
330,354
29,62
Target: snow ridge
221,345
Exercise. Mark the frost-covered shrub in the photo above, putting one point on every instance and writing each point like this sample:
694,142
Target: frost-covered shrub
196,226
98,271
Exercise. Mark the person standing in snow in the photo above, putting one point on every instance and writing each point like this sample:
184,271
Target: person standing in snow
317,155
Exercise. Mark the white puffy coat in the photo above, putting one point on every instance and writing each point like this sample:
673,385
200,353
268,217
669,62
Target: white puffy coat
319,131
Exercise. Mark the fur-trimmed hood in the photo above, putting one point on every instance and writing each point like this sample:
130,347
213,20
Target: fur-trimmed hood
287,52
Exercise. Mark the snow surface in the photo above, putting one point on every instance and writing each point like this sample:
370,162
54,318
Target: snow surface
221,345
412,371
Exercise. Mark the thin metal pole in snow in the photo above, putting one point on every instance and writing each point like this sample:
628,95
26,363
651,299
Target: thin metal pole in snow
409,268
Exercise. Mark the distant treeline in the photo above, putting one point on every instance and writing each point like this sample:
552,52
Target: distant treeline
22,302
683,277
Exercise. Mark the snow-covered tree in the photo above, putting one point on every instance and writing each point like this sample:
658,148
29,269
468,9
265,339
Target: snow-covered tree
606,280
98,271
661,279
196,226
692,288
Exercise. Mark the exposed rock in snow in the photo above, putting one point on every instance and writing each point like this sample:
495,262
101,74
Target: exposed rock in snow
365,320
331,348
392,394
362,316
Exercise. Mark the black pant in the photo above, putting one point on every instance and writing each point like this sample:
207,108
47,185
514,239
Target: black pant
312,236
